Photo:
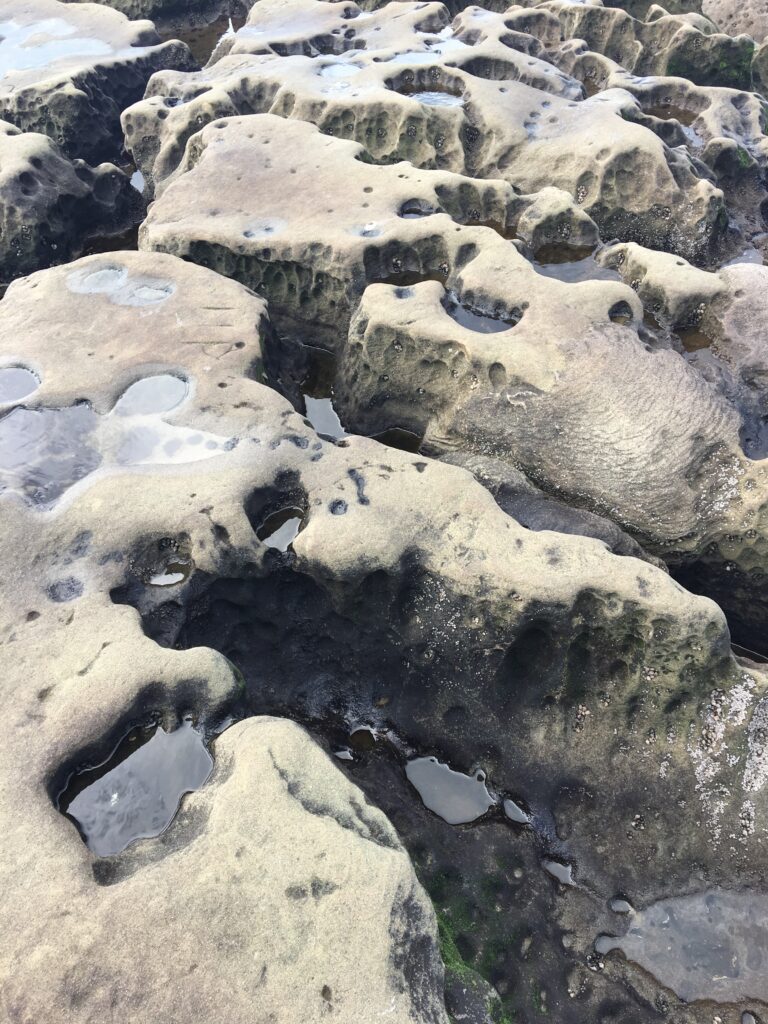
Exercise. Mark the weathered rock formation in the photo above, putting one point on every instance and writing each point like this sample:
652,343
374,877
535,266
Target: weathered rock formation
50,205
68,70
350,673
407,600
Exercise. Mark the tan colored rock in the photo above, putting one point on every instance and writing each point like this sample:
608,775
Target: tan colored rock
376,222
67,70
464,101
670,288
50,206
750,17
174,12
581,403
685,45
406,578
255,900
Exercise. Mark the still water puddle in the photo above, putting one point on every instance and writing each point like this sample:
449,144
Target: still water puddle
684,118
693,339
152,395
120,287
16,382
414,209
668,112
438,99
202,40
474,319
324,418
317,392
411,57
572,272
712,945
560,871
41,43
175,571
280,529
515,812
136,793
400,438
44,452
340,70
455,797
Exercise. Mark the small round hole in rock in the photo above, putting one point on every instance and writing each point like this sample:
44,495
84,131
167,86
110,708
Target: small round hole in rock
620,313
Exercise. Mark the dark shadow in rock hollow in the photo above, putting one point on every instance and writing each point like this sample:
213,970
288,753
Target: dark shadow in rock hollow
372,652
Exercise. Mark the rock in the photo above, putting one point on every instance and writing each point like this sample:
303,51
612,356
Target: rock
219,873
673,290
429,344
168,12
537,510
527,130
684,45
205,903
408,600
719,129
50,206
750,17
68,70
396,229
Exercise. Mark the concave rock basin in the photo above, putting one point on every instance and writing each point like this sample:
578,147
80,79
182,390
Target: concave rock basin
379,501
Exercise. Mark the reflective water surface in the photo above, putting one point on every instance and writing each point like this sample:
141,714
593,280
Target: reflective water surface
456,797
44,452
136,793
711,945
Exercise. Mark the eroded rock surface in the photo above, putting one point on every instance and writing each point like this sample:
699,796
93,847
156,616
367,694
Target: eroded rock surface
464,342
67,70
490,109
750,16
408,601
460,747
50,205
179,12
222,878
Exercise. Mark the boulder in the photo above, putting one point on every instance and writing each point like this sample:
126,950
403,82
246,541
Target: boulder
69,70
51,206
403,599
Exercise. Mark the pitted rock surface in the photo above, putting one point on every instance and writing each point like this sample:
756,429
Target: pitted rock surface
419,355
67,70
490,109
437,607
523,246
50,206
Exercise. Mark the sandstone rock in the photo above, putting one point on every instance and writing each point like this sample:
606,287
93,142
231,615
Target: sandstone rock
466,101
750,17
719,128
163,12
430,348
68,70
402,222
49,205
483,619
339,923
407,600
686,45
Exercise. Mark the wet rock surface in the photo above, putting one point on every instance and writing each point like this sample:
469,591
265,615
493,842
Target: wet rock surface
67,70
382,611
346,525
51,206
